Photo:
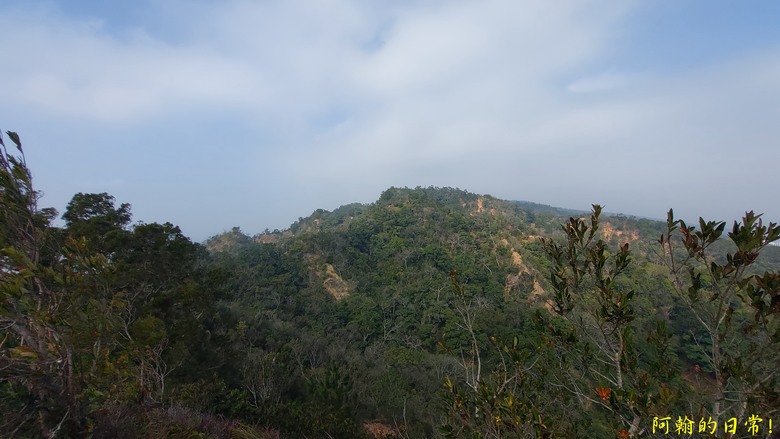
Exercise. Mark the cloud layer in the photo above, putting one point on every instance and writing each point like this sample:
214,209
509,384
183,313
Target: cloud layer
251,113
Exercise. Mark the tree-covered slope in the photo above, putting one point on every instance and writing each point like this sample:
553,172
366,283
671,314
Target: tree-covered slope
376,295
432,312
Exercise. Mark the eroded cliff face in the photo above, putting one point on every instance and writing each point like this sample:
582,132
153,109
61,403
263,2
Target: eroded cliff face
608,232
483,205
521,276
325,274
337,287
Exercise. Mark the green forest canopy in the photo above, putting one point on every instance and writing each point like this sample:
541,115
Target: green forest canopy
432,312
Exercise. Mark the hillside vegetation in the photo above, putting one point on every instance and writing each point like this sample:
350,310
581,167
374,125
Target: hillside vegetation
432,312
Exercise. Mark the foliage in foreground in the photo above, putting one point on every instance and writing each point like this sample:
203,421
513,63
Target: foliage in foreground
431,313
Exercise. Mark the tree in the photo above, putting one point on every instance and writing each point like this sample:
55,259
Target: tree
506,395
36,360
98,320
606,370
94,217
738,310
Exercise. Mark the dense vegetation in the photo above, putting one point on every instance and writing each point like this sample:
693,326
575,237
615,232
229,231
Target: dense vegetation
432,312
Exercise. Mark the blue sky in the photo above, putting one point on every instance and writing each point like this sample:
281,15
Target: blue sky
214,114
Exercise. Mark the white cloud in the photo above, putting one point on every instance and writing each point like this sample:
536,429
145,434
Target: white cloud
602,82
73,68
337,99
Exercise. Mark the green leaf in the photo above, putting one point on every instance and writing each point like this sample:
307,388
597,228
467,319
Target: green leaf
15,138
22,352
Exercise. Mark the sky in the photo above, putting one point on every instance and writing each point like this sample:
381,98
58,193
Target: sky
252,113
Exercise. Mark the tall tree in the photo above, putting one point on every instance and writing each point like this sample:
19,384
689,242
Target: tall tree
737,308
95,217
37,367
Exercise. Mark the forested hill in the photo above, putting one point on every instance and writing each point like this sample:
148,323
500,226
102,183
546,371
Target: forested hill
367,292
432,312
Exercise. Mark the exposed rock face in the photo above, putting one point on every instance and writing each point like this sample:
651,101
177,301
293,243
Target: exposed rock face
608,232
379,430
326,273
514,280
334,284
481,207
